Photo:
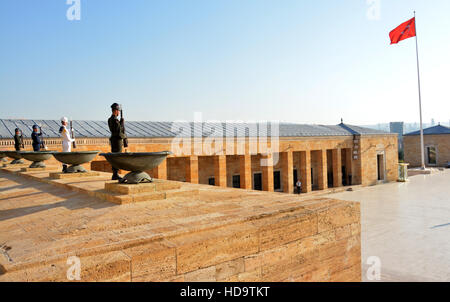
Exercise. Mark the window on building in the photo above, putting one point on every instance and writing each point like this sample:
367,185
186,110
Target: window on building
236,181
431,154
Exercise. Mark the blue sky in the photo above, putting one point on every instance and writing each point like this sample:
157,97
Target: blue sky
289,60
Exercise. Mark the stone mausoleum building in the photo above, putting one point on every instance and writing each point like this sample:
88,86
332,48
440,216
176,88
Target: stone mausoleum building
436,143
242,155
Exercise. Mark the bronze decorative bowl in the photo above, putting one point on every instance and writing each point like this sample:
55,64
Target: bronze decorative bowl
75,159
37,158
16,156
136,163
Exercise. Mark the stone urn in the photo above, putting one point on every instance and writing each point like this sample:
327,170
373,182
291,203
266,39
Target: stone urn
75,160
37,158
16,156
136,163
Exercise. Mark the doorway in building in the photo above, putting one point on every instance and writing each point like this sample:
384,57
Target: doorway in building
344,176
314,184
257,181
380,167
212,181
330,163
431,155
236,181
277,181
295,176
346,164
330,179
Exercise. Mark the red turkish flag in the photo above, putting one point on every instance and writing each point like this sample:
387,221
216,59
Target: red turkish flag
404,31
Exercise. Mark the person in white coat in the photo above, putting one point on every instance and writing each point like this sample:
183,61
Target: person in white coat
67,139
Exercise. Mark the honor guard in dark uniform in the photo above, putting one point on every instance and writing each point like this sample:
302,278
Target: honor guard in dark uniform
117,129
18,140
36,137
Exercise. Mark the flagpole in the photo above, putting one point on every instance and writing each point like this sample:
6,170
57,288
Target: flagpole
422,145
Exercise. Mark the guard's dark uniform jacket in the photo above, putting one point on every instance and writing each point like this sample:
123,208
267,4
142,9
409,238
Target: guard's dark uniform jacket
18,142
37,142
117,134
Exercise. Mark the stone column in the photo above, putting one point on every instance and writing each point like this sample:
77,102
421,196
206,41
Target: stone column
160,172
322,170
192,169
337,168
305,171
267,173
220,170
287,170
245,168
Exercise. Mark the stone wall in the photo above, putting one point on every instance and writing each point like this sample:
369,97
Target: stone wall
317,243
413,154
371,147
316,240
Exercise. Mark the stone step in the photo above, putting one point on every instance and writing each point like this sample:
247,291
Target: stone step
156,186
142,197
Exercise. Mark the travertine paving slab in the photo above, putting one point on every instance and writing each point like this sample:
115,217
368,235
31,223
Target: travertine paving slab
407,226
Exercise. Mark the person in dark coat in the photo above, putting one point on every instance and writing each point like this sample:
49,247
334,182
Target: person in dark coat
36,137
18,140
298,185
117,129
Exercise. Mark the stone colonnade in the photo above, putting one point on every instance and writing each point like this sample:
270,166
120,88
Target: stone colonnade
316,169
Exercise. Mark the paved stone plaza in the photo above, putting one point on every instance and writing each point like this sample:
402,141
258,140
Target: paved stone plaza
407,225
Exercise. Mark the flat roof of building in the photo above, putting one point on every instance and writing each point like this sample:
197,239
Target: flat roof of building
149,129
436,130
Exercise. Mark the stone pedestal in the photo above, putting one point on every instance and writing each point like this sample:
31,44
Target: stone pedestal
156,185
131,193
